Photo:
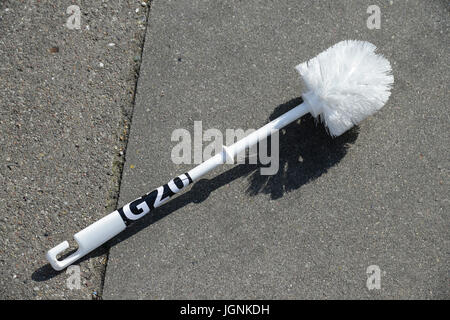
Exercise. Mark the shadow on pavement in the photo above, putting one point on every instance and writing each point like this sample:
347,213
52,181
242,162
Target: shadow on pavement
306,152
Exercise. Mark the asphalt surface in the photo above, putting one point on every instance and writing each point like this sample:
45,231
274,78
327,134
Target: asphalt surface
66,97
378,195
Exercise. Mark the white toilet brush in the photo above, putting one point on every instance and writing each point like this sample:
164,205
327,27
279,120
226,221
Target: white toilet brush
345,84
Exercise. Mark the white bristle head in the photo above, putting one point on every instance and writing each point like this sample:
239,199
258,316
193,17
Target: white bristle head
345,84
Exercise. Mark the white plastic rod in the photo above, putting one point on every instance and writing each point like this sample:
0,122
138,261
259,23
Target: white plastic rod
109,226
250,140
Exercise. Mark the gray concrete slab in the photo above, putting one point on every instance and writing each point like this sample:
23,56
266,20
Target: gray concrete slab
377,195
65,97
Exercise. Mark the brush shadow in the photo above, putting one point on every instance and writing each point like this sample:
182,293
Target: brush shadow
306,152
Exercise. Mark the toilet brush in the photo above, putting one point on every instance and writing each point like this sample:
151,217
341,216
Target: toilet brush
344,84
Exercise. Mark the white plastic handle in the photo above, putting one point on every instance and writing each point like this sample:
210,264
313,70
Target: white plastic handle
104,229
88,239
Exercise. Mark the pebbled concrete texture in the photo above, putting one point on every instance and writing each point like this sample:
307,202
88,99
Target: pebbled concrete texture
65,102
378,195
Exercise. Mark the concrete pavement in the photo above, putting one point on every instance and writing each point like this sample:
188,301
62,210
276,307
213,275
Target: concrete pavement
378,195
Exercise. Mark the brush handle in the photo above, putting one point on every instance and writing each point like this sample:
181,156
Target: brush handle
109,226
